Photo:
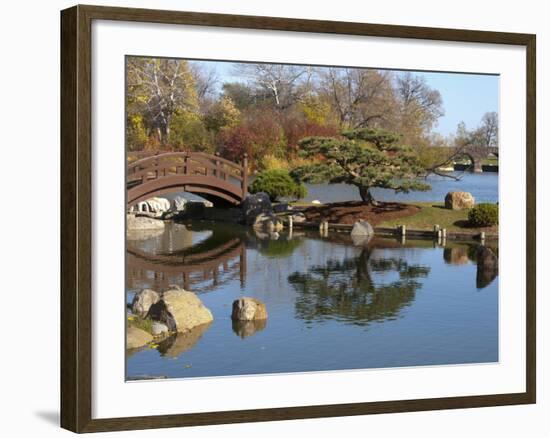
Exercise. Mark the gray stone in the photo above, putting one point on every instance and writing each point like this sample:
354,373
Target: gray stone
143,300
361,240
254,205
180,310
158,328
362,228
248,309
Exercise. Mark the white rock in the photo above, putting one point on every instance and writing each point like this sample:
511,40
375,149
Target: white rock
158,328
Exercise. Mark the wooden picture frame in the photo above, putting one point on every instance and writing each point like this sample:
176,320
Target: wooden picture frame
76,219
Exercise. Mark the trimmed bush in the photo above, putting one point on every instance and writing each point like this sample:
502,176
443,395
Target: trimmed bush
483,215
278,183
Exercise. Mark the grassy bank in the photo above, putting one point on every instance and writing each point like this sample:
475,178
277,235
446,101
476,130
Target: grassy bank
414,215
432,213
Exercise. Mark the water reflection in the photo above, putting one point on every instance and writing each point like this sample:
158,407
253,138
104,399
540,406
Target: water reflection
174,346
321,292
245,329
487,266
345,290
187,256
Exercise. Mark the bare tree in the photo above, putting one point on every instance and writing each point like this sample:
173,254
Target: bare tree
488,130
283,85
360,97
206,79
419,104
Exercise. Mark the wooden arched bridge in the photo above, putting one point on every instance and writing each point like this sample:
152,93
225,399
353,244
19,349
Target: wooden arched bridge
211,176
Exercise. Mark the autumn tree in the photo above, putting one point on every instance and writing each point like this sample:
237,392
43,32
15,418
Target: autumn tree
157,89
366,158
360,97
419,108
222,113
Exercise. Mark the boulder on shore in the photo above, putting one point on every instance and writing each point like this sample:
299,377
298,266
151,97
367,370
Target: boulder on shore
248,309
254,205
180,310
136,338
143,300
459,200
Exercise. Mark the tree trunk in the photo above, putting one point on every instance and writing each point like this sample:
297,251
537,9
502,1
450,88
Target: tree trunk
366,196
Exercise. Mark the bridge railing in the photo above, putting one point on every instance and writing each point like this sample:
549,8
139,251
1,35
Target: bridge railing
187,163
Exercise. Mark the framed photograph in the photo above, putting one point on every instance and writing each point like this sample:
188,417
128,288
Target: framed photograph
269,218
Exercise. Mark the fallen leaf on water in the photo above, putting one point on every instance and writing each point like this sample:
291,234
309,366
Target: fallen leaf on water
187,365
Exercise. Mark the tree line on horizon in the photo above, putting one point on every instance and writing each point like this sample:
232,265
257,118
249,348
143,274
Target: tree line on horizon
174,104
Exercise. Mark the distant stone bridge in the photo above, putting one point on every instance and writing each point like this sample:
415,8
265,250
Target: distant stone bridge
478,153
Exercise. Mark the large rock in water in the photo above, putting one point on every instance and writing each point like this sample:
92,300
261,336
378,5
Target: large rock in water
139,223
361,233
254,205
180,310
143,300
248,309
362,228
136,338
459,200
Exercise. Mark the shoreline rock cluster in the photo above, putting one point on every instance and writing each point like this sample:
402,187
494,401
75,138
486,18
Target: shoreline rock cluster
157,314
177,318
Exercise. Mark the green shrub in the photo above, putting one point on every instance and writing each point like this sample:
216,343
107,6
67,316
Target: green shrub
483,215
278,183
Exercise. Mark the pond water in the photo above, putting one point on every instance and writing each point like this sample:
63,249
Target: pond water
331,305
483,186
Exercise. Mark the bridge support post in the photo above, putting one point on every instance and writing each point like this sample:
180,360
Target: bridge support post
478,166
245,176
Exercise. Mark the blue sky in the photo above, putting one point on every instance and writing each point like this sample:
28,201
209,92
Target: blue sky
466,97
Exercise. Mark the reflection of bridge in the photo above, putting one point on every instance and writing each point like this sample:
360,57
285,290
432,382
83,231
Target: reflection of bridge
211,176
478,153
217,265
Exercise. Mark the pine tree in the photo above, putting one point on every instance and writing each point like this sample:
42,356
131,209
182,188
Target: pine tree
365,158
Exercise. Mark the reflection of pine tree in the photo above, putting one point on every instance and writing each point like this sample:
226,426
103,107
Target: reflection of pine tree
344,289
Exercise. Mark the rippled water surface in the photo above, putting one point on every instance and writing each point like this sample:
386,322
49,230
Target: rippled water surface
331,305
